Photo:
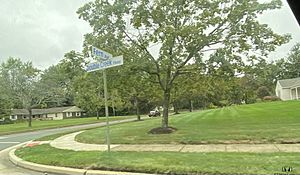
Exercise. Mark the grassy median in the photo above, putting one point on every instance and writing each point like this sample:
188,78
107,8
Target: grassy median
165,162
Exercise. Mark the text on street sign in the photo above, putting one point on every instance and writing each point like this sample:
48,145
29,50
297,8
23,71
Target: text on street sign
101,53
115,61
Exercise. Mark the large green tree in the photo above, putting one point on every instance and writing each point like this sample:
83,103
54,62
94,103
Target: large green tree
24,87
292,65
88,90
6,102
71,67
21,79
182,30
54,81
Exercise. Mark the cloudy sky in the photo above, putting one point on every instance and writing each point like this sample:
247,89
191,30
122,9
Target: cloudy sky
41,31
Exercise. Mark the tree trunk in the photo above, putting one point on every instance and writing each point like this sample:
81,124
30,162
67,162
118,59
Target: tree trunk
175,107
114,110
246,98
166,102
136,102
97,115
30,117
191,106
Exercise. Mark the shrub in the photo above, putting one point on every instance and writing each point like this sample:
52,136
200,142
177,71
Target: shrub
251,100
271,98
262,92
6,121
212,106
224,103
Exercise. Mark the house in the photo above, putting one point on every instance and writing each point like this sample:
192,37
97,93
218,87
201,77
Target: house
57,113
288,89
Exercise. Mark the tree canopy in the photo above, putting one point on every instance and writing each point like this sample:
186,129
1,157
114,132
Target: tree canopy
182,54
183,30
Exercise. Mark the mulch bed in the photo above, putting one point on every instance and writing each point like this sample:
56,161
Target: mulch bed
161,130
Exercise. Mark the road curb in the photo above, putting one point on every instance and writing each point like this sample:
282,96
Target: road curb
61,170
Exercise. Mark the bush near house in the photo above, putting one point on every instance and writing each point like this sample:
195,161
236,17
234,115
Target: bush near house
262,92
271,98
5,121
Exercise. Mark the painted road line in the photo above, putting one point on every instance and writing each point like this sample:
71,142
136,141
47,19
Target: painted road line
14,147
10,142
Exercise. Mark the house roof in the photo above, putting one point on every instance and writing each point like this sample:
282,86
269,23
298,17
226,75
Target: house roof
287,83
20,111
47,111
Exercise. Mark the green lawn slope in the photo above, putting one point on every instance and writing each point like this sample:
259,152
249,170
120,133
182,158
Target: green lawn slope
274,122
257,123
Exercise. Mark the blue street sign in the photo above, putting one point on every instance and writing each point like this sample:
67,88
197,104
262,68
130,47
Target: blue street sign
98,53
115,61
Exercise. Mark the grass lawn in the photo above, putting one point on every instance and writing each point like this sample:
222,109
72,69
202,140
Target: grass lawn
274,122
165,162
37,125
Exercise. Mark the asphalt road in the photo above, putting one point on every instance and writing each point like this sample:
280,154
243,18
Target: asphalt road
7,168
7,141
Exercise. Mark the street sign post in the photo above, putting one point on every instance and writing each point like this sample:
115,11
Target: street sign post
105,61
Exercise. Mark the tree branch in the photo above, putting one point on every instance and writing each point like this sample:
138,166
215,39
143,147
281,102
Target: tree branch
142,47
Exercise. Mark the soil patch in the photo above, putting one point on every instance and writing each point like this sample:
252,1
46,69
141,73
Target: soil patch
161,130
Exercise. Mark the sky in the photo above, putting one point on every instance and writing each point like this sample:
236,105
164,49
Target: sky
42,31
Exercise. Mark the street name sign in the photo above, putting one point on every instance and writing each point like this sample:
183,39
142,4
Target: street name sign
99,65
98,53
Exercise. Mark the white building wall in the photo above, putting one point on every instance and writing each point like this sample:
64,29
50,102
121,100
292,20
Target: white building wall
286,94
278,90
58,116
51,116
13,117
283,93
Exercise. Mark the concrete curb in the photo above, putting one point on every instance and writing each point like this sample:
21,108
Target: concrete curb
61,170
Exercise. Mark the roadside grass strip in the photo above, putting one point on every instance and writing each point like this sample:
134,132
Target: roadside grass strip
39,125
164,162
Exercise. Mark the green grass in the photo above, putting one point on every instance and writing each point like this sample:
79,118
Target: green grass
275,122
263,122
38,125
164,162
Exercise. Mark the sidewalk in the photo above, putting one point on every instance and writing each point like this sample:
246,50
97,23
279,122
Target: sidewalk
68,142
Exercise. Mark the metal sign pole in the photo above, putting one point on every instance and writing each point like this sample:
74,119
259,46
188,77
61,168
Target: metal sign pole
106,111
105,61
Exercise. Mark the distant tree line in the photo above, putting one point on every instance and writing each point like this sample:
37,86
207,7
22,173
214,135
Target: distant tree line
215,82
